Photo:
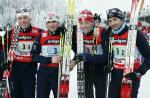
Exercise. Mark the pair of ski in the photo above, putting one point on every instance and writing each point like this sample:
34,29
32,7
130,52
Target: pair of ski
8,56
126,87
65,51
4,84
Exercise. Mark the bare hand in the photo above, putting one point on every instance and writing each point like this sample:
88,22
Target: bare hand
56,59
11,55
72,65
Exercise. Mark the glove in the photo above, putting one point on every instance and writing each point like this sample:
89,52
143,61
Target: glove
108,69
79,57
134,76
6,66
97,17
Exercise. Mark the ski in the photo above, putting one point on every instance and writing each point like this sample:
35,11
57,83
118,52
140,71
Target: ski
126,87
80,49
80,65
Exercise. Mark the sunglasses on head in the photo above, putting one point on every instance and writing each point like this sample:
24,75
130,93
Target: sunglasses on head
23,10
112,12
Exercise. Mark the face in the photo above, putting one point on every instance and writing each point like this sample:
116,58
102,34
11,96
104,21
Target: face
52,25
86,26
24,21
114,22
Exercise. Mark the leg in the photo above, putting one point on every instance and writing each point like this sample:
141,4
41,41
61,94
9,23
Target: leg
54,83
16,88
100,84
115,85
53,80
43,88
135,86
29,87
89,83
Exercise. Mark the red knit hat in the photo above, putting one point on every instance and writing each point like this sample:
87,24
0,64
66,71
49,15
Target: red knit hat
86,15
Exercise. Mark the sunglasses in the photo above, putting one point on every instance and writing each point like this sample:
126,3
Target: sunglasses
112,12
23,10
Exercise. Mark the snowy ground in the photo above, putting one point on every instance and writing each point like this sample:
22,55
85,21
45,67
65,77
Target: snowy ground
144,91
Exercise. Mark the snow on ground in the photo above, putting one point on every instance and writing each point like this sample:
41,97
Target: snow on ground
144,90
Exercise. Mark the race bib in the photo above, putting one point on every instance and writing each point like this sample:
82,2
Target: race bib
50,51
119,51
99,49
24,46
90,49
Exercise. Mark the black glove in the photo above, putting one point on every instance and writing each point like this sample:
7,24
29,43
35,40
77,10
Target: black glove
78,58
63,28
5,66
97,17
107,69
134,76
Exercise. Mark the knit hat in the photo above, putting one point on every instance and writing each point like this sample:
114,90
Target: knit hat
86,15
115,12
52,16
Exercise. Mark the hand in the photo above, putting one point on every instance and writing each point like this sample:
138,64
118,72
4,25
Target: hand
108,69
72,65
11,55
97,17
6,66
56,59
79,58
133,76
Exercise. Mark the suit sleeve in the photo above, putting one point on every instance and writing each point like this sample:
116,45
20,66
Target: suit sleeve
36,50
144,49
101,58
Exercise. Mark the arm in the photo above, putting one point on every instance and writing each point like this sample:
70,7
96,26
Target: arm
99,59
143,45
36,50
144,49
